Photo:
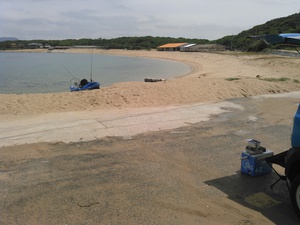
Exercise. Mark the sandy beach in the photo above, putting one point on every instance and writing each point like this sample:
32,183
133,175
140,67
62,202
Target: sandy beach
212,78
172,176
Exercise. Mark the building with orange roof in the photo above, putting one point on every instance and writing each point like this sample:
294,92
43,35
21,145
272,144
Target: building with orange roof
171,47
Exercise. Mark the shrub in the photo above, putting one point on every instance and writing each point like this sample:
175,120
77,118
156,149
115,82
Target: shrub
272,79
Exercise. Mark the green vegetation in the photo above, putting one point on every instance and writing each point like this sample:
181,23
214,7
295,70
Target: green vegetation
296,81
232,78
272,79
240,42
289,24
130,43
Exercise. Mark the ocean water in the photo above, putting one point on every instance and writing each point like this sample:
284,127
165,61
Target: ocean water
52,72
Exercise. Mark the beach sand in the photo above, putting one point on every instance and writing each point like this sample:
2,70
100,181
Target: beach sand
165,177
207,82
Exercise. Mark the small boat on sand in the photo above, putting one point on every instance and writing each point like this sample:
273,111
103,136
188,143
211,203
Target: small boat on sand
83,85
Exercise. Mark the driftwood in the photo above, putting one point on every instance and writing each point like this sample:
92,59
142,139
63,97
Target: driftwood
154,79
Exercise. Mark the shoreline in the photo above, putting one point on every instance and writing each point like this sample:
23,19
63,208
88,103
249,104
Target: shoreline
214,77
191,68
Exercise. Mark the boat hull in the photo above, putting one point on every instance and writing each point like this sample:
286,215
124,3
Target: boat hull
88,86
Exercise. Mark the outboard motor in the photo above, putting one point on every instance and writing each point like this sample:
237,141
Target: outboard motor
292,164
83,82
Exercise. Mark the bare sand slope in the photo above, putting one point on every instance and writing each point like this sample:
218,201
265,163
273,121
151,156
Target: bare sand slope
207,82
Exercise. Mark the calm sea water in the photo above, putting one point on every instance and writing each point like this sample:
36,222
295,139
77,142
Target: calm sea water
52,72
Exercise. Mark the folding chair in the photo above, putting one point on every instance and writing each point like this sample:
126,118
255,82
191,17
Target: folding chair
278,159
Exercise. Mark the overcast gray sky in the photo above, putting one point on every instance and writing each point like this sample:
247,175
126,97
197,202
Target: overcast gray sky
208,19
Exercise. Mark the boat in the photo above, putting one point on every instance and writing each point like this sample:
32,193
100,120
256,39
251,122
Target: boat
83,85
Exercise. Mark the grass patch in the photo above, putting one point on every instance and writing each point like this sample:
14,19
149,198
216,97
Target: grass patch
296,81
232,79
272,79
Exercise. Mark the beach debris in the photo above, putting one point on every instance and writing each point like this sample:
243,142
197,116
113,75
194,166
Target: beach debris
88,205
147,79
202,75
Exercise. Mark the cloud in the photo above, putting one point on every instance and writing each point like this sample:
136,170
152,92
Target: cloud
61,19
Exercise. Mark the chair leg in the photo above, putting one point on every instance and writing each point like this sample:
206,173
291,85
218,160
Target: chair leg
281,177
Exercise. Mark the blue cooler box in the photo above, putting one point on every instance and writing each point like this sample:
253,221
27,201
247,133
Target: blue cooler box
255,165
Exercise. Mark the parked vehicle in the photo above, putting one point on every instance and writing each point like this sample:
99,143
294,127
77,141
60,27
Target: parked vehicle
290,160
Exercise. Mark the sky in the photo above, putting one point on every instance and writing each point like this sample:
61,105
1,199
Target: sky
75,19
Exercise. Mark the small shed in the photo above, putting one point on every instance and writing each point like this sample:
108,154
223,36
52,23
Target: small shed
35,45
171,47
13,45
204,48
187,46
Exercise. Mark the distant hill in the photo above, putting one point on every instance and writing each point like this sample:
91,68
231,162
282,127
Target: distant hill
289,24
241,42
8,39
